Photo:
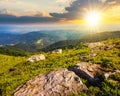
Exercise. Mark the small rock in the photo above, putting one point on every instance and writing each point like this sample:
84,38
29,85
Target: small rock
96,44
92,55
35,58
106,75
82,58
58,51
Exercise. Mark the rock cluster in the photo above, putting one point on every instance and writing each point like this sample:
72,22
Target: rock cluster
59,82
62,81
97,46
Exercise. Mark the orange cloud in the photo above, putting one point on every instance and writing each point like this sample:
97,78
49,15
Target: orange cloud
26,13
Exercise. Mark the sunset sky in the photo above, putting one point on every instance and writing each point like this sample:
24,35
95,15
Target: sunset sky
57,11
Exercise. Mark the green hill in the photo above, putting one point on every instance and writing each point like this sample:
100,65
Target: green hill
13,51
88,38
16,70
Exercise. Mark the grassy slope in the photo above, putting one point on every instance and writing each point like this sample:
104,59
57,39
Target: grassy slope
16,71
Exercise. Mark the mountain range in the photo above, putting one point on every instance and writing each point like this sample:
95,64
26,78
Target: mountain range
49,40
32,41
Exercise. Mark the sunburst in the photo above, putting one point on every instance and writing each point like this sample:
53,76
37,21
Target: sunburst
92,18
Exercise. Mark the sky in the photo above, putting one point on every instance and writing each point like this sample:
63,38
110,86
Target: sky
57,11
34,15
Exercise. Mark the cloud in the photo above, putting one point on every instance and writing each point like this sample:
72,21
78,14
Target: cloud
35,13
25,13
64,1
79,7
28,16
8,12
6,19
76,10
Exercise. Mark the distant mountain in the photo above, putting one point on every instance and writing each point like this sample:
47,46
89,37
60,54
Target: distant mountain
66,34
36,36
6,38
33,41
88,38
27,38
49,40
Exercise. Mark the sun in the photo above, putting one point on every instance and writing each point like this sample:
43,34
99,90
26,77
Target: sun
92,18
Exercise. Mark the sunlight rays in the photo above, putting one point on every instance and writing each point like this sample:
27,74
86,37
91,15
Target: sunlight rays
92,18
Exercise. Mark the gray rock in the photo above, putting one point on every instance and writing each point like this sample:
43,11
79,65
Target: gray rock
59,82
35,58
87,71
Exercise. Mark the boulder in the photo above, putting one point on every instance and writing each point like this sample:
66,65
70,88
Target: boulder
58,51
59,82
87,71
35,58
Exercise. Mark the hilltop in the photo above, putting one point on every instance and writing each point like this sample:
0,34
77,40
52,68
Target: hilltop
16,70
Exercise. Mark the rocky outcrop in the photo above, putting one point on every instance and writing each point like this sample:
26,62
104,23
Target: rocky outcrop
97,46
35,58
87,71
59,82
58,51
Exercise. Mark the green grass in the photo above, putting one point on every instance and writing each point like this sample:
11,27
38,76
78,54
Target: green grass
15,71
